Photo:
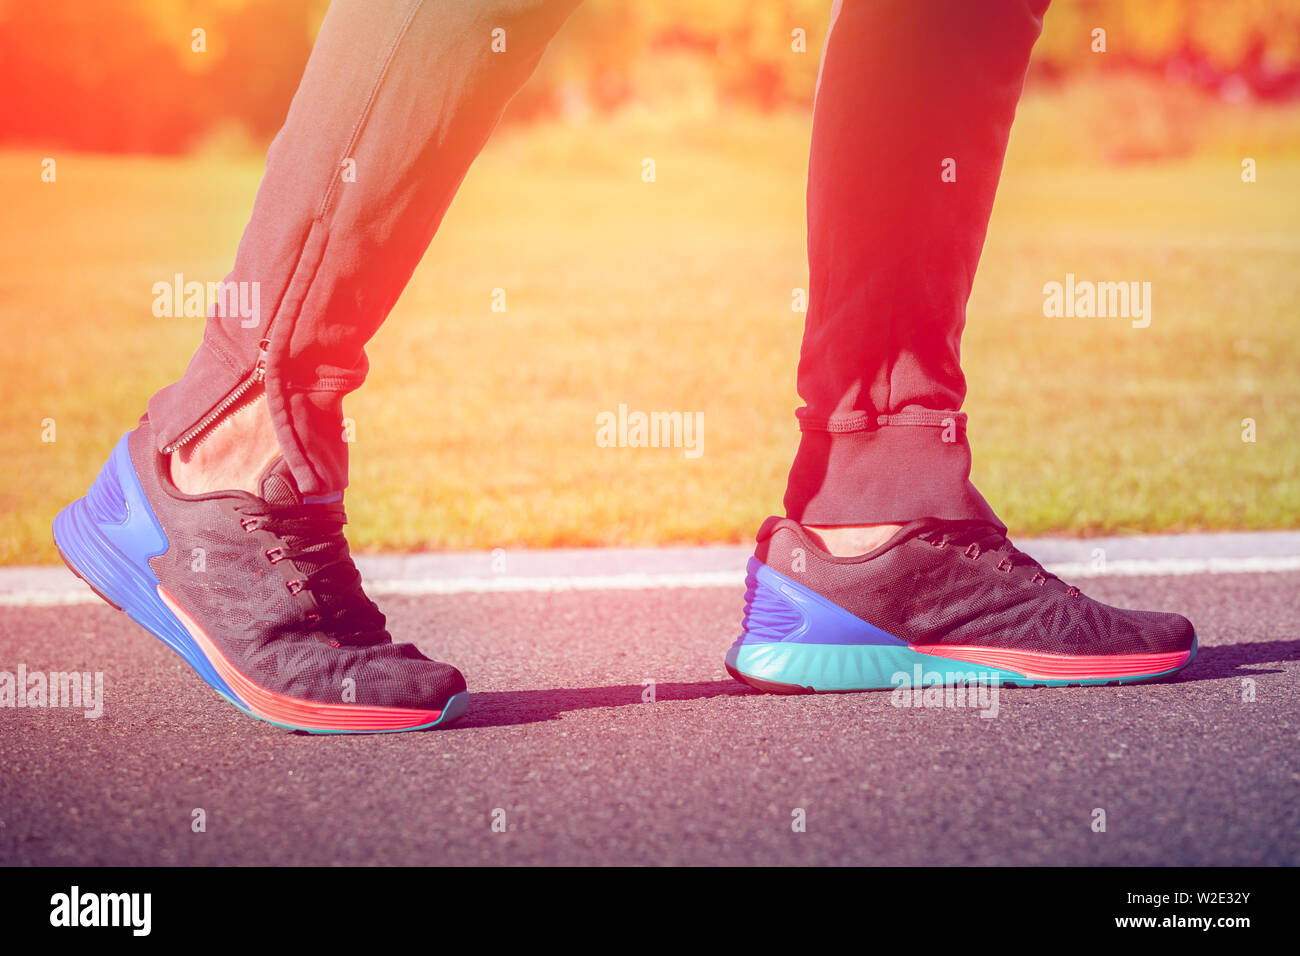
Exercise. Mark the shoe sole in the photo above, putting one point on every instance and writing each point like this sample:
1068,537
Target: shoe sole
107,537
776,654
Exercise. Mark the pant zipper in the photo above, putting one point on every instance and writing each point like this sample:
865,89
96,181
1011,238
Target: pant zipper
243,388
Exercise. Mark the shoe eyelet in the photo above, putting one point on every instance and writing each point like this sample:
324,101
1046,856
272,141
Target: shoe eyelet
248,524
274,555
294,586
972,550
1006,565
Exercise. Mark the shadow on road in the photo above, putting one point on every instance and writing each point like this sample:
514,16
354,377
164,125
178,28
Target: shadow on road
507,708
1237,660
504,708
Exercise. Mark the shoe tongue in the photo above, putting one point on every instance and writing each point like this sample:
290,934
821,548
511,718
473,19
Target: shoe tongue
277,487
311,553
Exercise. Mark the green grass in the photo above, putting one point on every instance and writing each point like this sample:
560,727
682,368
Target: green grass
477,429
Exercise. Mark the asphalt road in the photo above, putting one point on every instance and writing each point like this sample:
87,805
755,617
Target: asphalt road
559,738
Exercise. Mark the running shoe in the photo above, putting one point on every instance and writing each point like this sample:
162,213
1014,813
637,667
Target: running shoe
258,594
954,597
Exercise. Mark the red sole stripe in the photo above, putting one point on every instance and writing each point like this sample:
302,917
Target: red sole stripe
304,714
1061,666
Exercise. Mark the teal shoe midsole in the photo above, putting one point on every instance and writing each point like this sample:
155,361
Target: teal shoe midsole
796,637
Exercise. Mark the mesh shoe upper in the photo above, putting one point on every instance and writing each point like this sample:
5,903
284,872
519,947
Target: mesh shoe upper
964,583
275,588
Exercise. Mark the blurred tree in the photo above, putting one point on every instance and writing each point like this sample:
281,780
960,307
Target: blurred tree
123,76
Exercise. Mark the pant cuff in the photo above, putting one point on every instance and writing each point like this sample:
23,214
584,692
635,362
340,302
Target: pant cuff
308,422
892,473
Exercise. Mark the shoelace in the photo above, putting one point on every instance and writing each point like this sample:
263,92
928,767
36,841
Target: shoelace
980,537
311,536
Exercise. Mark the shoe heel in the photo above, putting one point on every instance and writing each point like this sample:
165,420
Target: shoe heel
770,613
107,538
794,640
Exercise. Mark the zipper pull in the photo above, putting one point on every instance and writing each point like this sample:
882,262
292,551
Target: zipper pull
263,350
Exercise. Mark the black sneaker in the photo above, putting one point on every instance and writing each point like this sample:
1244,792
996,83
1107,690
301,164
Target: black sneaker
954,597
258,593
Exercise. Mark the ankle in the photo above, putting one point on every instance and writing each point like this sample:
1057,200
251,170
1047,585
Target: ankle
231,455
850,541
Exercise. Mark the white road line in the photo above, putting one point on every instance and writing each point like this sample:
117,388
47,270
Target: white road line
72,592
593,582
1140,567
43,598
